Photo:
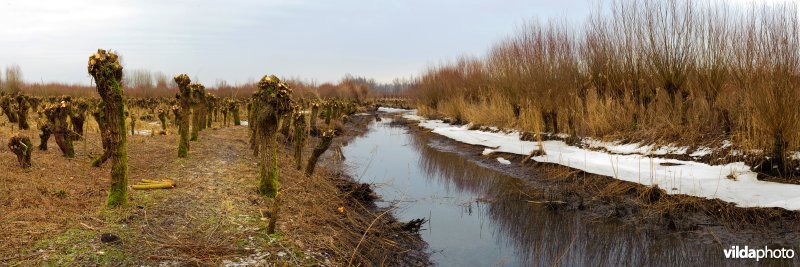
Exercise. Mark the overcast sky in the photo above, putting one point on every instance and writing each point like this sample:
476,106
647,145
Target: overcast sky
237,40
240,40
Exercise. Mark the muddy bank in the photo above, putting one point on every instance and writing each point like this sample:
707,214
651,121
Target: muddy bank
600,199
403,243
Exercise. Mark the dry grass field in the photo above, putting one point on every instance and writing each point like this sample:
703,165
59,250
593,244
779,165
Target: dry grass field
54,212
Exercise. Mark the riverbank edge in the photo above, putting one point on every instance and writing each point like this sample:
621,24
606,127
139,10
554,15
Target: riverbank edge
411,248
600,198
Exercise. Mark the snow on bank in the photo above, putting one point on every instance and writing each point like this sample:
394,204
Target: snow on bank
503,161
391,110
143,132
732,182
617,148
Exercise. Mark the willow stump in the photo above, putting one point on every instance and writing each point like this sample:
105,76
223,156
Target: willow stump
184,113
21,146
107,73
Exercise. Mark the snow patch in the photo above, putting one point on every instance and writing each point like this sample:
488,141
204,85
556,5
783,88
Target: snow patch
701,152
503,161
143,132
393,110
732,182
635,148
726,144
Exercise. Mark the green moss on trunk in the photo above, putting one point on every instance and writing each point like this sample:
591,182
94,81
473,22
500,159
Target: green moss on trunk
57,114
23,106
299,139
322,146
21,146
5,105
162,117
234,110
107,73
268,180
183,113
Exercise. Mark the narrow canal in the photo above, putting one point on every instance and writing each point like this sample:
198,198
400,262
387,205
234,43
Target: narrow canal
481,217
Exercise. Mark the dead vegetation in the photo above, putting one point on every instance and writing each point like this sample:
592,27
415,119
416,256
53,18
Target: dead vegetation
661,72
55,215
211,213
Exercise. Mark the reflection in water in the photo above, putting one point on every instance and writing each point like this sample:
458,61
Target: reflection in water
480,217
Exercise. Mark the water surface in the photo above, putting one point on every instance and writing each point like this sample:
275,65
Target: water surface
481,217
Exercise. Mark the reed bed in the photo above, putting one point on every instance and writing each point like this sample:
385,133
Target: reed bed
678,71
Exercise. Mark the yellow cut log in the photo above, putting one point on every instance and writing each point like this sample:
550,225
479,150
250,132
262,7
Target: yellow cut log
150,184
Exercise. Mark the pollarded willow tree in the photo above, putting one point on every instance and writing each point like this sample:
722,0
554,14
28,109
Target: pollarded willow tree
199,109
313,130
21,146
99,117
57,115
45,129
162,117
300,134
8,108
270,103
107,73
324,143
183,113
23,106
211,109
233,107
78,116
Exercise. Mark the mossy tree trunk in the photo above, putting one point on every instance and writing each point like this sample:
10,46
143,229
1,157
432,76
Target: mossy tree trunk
107,73
255,131
133,123
266,138
300,134
211,109
78,117
23,106
234,109
162,117
286,128
105,135
44,135
35,101
21,146
224,116
322,146
5,105
273,219
270,103
313,120
185,110
63,134
198,110
328,114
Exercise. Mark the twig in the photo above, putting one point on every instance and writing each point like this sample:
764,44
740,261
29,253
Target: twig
350,263
88,227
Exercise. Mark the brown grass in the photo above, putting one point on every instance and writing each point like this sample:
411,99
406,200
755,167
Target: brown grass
53,212
651,71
